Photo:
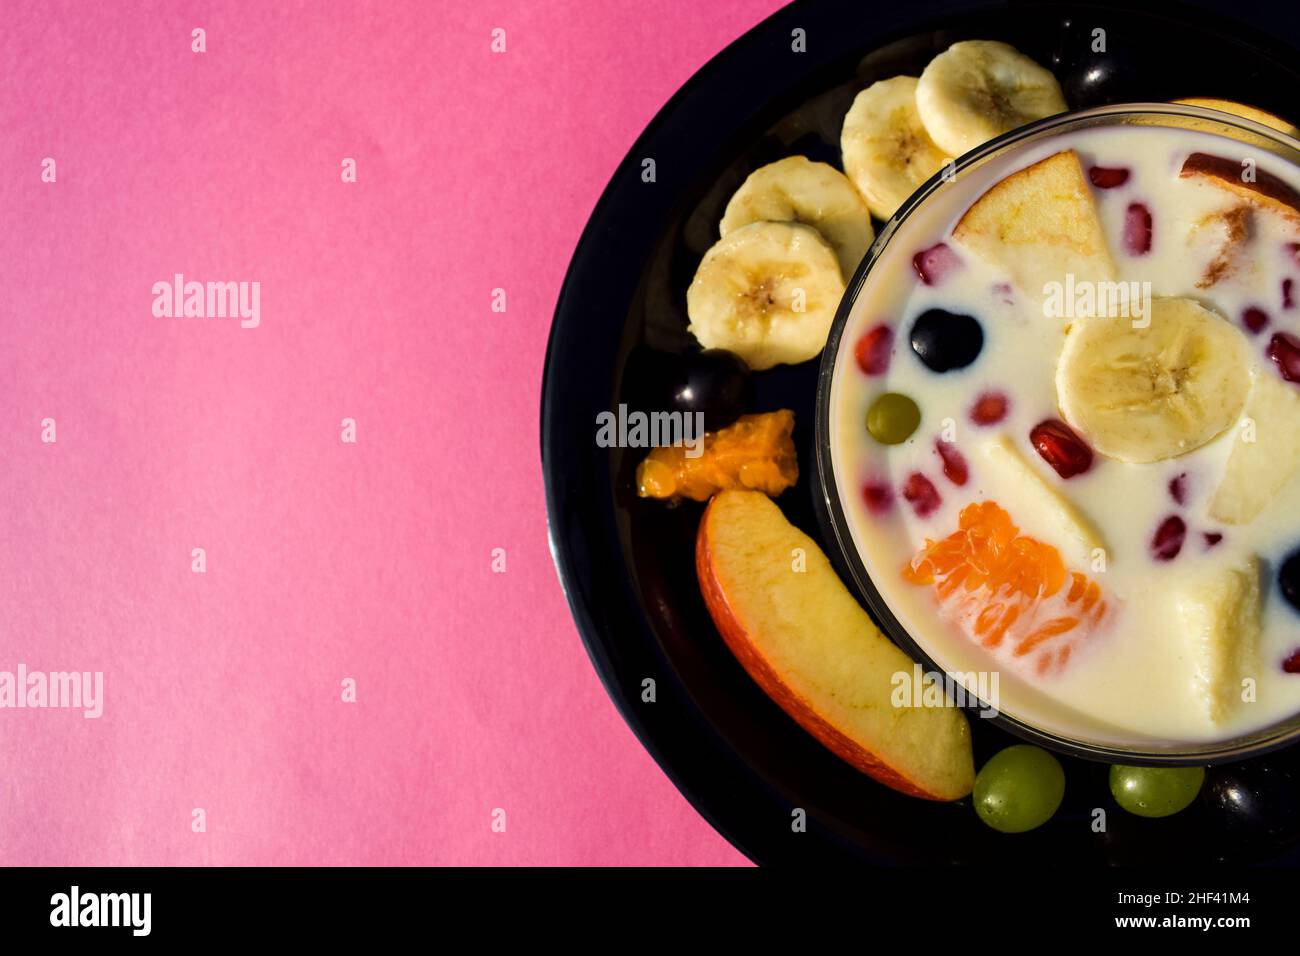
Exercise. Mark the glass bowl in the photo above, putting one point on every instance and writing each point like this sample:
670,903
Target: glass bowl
1167,115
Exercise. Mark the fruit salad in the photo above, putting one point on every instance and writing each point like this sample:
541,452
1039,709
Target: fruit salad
1065,432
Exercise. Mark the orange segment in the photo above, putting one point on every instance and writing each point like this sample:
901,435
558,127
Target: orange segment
1045,632
755,451
1008,590
995,636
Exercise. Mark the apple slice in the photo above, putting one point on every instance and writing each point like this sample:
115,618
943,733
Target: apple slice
1040,508
1039,225
1241,109
1258,468
803,638
1245,180
1221,237
1220,610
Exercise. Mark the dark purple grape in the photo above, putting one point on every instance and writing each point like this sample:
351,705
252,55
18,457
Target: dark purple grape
715,382
946,340
1257,801
1288,579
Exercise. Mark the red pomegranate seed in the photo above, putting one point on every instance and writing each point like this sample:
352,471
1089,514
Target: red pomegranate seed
1108,177
1284,350
989,409
933,264
1287,300
874,350
1061,448
1137,229
1178,488
878,496
1254,319
921,493
1211,538
954,465
1292,664
1168,540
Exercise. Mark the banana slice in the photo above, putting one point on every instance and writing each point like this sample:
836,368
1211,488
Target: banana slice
798,190
979,89
887,152
767,292
1146,394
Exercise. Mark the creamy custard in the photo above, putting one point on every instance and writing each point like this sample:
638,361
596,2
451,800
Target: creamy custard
1137,679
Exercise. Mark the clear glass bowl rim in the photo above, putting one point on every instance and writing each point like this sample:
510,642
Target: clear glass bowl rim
1273,737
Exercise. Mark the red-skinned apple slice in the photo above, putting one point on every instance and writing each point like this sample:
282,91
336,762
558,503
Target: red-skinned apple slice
1260,186
805,641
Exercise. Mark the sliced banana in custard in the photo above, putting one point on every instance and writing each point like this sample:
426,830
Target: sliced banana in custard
1147,393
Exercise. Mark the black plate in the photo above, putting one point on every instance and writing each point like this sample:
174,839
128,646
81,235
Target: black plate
627,565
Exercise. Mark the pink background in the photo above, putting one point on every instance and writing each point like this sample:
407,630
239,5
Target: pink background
325,560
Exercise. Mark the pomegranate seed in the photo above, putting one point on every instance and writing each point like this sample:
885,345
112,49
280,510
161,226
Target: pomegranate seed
921,493
989,409
1254,318
1211,538
1061,448
1178,488
1137,229
1108,177
1284,350
874,350
1169,538
1292,664
878,496
1288,301
933,264
954,465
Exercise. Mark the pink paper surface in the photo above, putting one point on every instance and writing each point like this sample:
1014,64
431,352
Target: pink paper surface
326,560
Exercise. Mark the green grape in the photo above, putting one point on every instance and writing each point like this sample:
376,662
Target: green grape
1019,789
1155,791
892,418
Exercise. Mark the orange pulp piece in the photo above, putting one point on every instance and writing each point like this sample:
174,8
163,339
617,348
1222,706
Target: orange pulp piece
755,452
1010,592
